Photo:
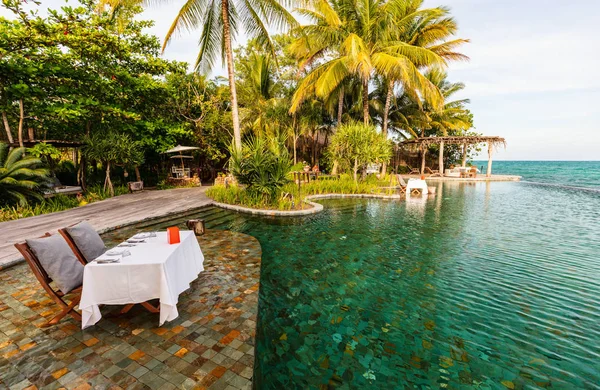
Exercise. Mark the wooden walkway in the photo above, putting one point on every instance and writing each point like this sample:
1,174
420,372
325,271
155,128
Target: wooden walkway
103,215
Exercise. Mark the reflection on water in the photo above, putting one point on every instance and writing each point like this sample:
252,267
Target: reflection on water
488,285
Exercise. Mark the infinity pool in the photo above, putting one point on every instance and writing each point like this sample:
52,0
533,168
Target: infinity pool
485,286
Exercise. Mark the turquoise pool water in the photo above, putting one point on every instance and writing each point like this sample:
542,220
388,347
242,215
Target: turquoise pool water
486,286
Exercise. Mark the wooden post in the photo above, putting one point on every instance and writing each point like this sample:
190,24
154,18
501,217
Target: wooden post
464,156
489,166
441,158
423,161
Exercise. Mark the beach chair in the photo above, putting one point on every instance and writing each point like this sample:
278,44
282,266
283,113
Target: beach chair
80,254
401,184
55,293
432,172
79,251
413,171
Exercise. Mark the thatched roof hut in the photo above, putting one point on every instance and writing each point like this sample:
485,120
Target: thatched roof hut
424,142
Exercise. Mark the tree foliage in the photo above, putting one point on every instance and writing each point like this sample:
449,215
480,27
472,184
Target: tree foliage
113,149
356,145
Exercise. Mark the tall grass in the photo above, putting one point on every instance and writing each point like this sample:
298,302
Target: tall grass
292,197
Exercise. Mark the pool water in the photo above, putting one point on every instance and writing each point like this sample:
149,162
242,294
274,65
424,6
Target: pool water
485,286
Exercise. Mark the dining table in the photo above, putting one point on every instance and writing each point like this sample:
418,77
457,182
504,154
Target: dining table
148,268
416,184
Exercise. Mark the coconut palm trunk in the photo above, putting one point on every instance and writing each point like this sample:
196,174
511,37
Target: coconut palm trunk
334,169
365,99
340,106
386,113
237,135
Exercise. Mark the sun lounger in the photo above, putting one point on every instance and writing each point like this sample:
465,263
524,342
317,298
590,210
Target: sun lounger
56,188
432,172
413,171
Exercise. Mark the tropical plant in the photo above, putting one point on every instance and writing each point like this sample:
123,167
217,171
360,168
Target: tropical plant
368,34
431,29
453,116
20,176
262,166
112,149
220,22
48,153
355,145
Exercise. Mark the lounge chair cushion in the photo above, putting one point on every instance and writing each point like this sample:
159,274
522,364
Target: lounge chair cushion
87,240
59,261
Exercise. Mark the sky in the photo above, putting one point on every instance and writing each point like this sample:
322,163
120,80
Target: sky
531,75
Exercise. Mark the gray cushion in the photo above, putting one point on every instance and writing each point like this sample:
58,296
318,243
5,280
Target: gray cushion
59,261
87,240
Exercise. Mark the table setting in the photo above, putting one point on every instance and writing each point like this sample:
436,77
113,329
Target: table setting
149,265
418,184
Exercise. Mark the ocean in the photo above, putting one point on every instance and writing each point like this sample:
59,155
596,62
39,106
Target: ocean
572,174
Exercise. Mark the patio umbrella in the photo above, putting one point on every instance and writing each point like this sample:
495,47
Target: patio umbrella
179,149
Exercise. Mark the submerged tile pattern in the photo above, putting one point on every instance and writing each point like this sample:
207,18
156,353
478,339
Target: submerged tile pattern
210,345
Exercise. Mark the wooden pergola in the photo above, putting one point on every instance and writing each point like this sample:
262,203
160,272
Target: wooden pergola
424,142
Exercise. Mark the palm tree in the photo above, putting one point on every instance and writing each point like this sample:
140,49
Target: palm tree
431,29
264,111
366,33
220,22
453,116
20,175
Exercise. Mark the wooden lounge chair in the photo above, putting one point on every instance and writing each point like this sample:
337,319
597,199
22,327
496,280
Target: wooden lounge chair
79,254
45,280
401,184
432,172
413,171
63,232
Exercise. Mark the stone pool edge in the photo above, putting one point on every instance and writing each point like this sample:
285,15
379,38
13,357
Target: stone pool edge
316,207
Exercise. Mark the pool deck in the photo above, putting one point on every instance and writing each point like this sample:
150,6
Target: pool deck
209,346
104,215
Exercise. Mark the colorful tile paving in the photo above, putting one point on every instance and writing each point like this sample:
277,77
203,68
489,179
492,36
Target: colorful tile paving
210,345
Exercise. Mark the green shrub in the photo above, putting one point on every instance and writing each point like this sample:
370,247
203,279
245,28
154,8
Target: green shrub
262,166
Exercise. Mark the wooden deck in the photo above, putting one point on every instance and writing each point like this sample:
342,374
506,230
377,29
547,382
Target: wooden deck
103,215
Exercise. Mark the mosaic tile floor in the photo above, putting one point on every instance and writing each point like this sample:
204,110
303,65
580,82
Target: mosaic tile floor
210,345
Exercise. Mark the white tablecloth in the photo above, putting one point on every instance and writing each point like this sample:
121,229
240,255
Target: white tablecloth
416,184
155,269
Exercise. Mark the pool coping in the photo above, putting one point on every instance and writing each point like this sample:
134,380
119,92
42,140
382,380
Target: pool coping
316,207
